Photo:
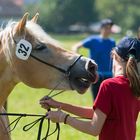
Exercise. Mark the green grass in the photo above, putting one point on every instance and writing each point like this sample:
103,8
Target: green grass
24,99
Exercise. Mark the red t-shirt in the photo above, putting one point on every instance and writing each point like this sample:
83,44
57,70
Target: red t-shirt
116,100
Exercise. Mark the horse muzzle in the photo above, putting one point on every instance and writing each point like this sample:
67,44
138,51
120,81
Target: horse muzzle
83,74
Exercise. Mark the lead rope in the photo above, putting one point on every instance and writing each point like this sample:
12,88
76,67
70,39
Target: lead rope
41,119
41,122
30,125
27,127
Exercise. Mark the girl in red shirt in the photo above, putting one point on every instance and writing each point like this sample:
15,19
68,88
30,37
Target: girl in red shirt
116,108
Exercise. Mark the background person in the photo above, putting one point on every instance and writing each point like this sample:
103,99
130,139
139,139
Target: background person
116,108
99,47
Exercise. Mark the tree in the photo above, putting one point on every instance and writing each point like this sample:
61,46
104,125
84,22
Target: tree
59,14
123,12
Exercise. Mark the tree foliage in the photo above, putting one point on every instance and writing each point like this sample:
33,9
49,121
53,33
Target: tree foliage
123,12
57,15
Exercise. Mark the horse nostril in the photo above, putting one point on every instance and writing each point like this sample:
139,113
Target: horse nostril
91,67
92,71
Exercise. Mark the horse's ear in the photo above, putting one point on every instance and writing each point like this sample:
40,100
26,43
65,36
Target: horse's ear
35,18
21,25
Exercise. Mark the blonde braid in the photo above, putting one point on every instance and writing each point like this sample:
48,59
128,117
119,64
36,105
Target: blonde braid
133,75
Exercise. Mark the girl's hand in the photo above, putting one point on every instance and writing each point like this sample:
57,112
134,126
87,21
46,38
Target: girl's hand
48,103
56,116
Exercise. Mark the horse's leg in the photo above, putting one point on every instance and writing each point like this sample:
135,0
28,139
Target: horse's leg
4,134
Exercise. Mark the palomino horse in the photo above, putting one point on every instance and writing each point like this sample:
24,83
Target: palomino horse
29,55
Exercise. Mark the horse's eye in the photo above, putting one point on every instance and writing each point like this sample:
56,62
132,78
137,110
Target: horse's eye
40,47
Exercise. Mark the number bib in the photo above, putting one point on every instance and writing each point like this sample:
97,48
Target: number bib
23,49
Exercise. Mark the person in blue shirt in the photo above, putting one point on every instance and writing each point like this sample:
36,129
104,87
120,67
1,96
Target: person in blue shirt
99,47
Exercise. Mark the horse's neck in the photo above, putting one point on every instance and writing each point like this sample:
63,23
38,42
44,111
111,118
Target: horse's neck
6,85
6,76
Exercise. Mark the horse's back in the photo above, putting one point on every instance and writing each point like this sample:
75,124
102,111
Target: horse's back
4,134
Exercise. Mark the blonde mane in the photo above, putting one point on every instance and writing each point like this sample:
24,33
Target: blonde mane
6,34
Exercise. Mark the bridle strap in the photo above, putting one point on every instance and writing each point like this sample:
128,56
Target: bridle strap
70,67
58,68
66,72
38,59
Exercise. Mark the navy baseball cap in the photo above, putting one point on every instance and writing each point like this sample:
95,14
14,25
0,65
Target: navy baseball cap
106,22
128,46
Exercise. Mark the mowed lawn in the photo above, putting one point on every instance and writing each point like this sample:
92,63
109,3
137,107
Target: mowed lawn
24,99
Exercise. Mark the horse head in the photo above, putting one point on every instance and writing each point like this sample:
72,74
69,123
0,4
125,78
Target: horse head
40,62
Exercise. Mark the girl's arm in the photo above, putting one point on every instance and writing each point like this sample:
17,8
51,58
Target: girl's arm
92,127
84,112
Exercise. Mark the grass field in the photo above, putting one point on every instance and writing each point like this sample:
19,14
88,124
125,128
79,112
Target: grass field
24,99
